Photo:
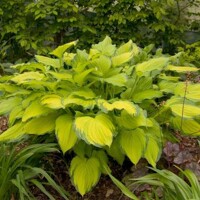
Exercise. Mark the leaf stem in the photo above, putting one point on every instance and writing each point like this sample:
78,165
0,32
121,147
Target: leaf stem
184,98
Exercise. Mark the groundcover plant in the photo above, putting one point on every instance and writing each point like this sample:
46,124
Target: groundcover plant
108,101
171,186
20,169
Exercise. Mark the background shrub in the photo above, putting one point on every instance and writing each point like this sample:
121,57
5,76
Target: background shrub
31,26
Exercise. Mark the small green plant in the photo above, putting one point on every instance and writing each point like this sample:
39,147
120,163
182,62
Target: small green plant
191,53
172,186
19,167
110,101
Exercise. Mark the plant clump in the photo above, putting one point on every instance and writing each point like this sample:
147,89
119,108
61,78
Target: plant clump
110,101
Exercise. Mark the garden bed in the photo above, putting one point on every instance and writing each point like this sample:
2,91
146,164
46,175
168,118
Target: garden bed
185,154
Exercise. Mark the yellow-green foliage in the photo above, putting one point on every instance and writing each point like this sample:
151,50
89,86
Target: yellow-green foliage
105,101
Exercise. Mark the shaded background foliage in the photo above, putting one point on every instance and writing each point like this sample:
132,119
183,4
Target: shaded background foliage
36,26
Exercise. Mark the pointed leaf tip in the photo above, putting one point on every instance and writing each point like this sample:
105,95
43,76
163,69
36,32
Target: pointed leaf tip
58,52
133,143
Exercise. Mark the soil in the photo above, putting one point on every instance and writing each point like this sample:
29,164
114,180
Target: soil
185,154
105,189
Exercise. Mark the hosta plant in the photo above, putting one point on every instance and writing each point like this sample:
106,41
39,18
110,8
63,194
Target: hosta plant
108,101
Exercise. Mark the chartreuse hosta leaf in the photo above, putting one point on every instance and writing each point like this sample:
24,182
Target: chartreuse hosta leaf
53,101
61,75
188,90
53,62
127,47
142,142
58,52
80,78
12,90
181,69
117,80
165,77
105,47
149,48
124,54
68,58
26,102
141,88
128,106
6,105
151,65
84,97
36,85
35,109
85,103
41,125
167,86
128,121
176,100
30,67
185,110
121,59
152,151
6,87
85,173
65,132
187,126
147,94
20,92
182,107
101,65
94,53
154,142
15,114
79,62
133,143
85,93
27,76
13,132
98,130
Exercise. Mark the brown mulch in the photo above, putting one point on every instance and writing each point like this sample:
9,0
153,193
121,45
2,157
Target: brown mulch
3,123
